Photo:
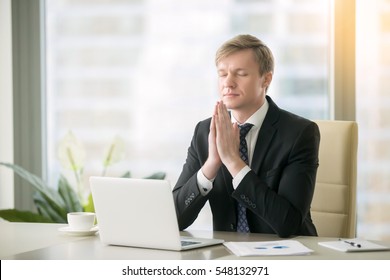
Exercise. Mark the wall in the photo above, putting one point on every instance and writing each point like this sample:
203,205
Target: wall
6,118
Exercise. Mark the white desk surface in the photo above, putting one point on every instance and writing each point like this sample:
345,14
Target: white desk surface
43,241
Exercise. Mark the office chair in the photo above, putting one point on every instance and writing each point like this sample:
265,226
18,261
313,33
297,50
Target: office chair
333,208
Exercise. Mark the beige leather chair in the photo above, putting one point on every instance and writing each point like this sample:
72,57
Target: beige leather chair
334,203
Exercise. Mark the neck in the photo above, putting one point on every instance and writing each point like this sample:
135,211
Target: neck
242,115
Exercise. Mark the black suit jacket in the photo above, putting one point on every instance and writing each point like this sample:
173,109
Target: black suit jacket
277,191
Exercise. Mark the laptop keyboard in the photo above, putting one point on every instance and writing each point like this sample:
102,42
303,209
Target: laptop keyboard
187,243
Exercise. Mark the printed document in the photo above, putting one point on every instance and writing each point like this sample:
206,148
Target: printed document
268,248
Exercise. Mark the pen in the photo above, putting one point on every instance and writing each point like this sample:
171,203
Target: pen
352,243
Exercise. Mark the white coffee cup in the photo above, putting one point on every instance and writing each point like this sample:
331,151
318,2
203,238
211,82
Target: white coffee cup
81,220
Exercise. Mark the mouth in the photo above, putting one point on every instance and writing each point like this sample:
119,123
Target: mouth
228,92
230,95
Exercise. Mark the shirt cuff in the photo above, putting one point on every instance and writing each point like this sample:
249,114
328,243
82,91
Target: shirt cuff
205,185
240,175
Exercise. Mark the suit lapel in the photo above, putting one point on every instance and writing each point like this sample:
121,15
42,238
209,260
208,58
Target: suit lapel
265,136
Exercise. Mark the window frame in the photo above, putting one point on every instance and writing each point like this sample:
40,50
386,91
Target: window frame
28,73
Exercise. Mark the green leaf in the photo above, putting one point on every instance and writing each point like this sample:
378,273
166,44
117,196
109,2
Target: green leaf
126,175
46,210
37,182
50,195
38,204
72,202
14,215
89,207
157,176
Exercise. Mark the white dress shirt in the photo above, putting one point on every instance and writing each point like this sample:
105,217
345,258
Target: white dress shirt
205,185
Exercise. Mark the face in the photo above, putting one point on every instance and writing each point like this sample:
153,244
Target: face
241,87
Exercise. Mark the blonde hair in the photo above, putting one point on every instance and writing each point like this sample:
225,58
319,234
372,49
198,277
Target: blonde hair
262,54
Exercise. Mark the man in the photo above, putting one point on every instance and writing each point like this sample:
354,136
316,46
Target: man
264,181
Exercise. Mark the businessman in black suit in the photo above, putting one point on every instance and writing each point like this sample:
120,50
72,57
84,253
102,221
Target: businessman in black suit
264,180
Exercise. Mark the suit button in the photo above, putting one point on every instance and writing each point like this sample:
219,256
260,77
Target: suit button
232,226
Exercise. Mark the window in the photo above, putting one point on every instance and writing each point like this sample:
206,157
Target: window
144,70
373,107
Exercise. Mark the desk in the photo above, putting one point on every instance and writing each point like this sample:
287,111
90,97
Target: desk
26,241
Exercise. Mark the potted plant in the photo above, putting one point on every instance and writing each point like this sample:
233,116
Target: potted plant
53,204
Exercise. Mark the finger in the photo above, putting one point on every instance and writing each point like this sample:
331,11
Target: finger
216,109
223,116
212,125
216,117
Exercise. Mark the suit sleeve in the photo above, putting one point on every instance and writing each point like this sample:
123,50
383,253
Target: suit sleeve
187,197
284,205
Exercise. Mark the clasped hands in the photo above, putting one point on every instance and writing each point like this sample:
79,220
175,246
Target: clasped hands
224,143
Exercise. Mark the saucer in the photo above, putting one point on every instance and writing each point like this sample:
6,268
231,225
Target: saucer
75,232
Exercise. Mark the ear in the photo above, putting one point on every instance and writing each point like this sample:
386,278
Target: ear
267,79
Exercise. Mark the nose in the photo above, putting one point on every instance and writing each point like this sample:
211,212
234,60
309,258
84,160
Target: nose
229,81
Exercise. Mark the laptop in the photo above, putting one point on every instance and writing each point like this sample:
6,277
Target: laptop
140,213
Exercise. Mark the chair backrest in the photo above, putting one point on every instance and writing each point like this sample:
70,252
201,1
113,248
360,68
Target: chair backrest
333,207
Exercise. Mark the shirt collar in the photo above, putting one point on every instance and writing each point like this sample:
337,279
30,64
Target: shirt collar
258,117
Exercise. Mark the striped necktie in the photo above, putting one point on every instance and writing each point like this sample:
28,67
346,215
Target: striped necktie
242,222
